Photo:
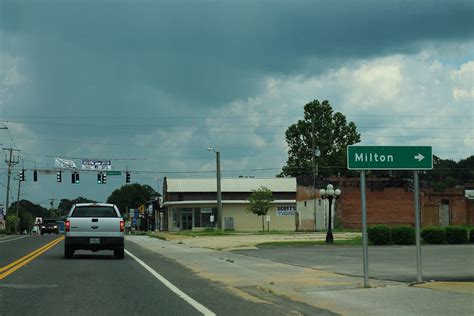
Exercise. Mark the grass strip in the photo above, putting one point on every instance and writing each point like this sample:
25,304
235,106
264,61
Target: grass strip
304,243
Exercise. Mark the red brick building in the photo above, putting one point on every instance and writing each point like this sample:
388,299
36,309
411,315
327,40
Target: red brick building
391,202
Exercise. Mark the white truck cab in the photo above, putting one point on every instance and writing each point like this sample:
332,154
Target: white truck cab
94,226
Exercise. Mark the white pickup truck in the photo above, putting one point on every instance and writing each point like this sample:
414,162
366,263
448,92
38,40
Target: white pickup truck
94,226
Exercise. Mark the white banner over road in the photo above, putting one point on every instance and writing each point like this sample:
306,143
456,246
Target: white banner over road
64,163
96,164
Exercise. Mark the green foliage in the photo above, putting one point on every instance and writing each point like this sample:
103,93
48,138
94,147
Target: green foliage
26,221
403,235
11,221
456,234
5,232
379,234
65,204
447,173
260,200
26,206
332,134
131,196
433,234
471,235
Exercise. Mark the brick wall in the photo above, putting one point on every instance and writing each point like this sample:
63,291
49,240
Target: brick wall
393,206
396,206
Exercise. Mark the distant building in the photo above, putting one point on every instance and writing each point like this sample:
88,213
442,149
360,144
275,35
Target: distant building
192,203
389,201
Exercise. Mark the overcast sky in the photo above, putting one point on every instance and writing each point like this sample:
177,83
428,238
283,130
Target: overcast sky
151,84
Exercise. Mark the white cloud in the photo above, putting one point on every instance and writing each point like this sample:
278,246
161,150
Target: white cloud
463,89
10,76
394,100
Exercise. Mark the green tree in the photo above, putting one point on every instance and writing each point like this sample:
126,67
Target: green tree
35,210
260,200
131,195
11,221
65,204
331,134
466,169
26,221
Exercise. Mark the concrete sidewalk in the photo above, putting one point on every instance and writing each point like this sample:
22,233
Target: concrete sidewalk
253,278
249,241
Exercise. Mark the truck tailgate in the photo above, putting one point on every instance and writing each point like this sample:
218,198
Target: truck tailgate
95,227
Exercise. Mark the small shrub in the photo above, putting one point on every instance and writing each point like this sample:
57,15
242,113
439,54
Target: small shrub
403,235
4,232
456,234
471,235
379,234
433,235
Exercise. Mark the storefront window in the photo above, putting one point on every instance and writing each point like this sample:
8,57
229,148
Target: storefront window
174,213
206,216
197,217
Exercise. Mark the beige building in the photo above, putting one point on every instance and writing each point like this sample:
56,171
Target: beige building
191,204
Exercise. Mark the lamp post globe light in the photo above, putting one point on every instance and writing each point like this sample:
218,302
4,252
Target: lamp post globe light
219,193
330,194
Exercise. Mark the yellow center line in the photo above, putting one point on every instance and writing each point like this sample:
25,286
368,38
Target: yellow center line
12,267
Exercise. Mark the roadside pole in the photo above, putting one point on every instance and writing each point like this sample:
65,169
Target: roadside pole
364,229
417,225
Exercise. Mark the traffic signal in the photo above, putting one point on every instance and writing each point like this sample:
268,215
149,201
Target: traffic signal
99,178
35,175
104,177
127,177
22,175
59,176
75,178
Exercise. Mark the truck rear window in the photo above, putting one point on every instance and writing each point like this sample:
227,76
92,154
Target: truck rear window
94,211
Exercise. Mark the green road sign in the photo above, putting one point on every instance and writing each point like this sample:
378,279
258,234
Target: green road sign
113,173
389,158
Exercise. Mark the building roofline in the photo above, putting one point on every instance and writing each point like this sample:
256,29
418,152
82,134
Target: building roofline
223,202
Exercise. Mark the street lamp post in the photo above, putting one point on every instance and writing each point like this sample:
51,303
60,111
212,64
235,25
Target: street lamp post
330,194
219,193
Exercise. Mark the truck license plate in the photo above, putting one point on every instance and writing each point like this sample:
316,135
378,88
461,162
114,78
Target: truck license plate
94,240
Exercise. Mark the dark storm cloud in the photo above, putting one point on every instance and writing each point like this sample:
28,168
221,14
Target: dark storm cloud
91,54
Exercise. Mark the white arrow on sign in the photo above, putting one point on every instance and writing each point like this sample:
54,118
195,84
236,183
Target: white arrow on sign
419,157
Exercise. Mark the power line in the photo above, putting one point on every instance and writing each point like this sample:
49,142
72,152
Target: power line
160,127
151,117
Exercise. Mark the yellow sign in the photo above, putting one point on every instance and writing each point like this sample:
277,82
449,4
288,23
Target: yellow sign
141,208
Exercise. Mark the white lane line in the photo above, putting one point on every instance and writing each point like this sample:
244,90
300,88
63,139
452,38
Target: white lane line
201,308
13,239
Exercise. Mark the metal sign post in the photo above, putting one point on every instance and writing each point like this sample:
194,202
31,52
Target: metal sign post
390,158
364,230
417,225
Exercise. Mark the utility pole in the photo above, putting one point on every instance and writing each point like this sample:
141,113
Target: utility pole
17,222
51,203
315,153
219,192
11,162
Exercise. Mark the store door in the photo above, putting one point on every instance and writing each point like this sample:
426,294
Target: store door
186,221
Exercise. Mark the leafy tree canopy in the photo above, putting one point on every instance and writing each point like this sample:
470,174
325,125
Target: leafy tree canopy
66,204
447,173
331,134
131,196
27,211
260,200
27,206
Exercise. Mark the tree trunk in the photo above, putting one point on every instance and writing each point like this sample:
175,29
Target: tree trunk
263,224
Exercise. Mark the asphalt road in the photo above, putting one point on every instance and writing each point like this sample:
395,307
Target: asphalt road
396,263
96,283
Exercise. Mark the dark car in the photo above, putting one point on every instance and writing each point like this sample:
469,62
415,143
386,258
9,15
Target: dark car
49,226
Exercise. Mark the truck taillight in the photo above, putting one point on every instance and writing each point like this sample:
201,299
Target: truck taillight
68,225
122,226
